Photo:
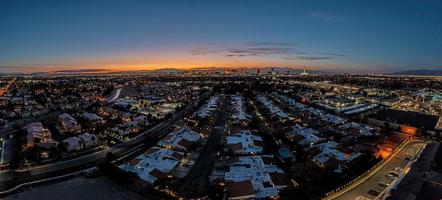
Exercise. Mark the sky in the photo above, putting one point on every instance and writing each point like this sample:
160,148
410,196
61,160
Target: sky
354,36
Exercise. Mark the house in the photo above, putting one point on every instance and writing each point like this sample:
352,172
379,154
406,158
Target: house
208,109
304,136
240,190
73,144
255,172
38,135
244,142
357,129
80,142
327,155
93,118
16,100
125,129
180,139
141,120
89,140
332,119
154,164
275,111
239,115
67,124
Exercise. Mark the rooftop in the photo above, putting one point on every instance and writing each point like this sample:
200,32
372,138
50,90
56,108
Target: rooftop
329,151
208,108
415,119
272,108
304,136
151,165
180,138
249,142
258,172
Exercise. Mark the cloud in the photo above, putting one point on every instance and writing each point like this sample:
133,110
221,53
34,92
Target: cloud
269,43
53,68
204,51
326,17
28,67
81,70
310,58
281,50
332,54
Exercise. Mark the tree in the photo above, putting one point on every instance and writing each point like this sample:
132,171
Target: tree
108,90
110,157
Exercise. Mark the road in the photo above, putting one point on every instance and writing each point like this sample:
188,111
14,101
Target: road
11,178
359,189
116,94
91,189
196,181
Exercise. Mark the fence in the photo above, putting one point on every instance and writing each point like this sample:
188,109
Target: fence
329,195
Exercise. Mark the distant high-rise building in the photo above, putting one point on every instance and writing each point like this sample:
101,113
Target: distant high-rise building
272,71
305,71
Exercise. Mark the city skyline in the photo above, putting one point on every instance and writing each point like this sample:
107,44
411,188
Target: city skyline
377,36
221,99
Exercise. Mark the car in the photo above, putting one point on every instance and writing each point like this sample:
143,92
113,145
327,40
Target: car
394,174
362,198
373,193
389,175
398,169
384,183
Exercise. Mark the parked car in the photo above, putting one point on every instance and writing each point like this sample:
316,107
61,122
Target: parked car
390,175
373,193
398,169
384,183
394,174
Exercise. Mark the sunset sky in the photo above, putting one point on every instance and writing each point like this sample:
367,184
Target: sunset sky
359,36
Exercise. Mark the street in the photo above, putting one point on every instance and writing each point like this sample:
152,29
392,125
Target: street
196,181
359,189
115,95
12,178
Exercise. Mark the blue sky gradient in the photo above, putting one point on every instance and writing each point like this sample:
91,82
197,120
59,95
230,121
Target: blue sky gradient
331,35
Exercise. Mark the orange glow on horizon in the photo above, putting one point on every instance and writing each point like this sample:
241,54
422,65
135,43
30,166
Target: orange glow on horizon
134,61
140,67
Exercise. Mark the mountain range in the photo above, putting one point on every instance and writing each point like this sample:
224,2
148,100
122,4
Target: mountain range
419,72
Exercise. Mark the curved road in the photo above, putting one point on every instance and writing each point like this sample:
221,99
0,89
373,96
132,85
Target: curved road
359,189
12,178
115,95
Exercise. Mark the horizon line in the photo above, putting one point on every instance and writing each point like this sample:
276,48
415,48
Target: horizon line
108,71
